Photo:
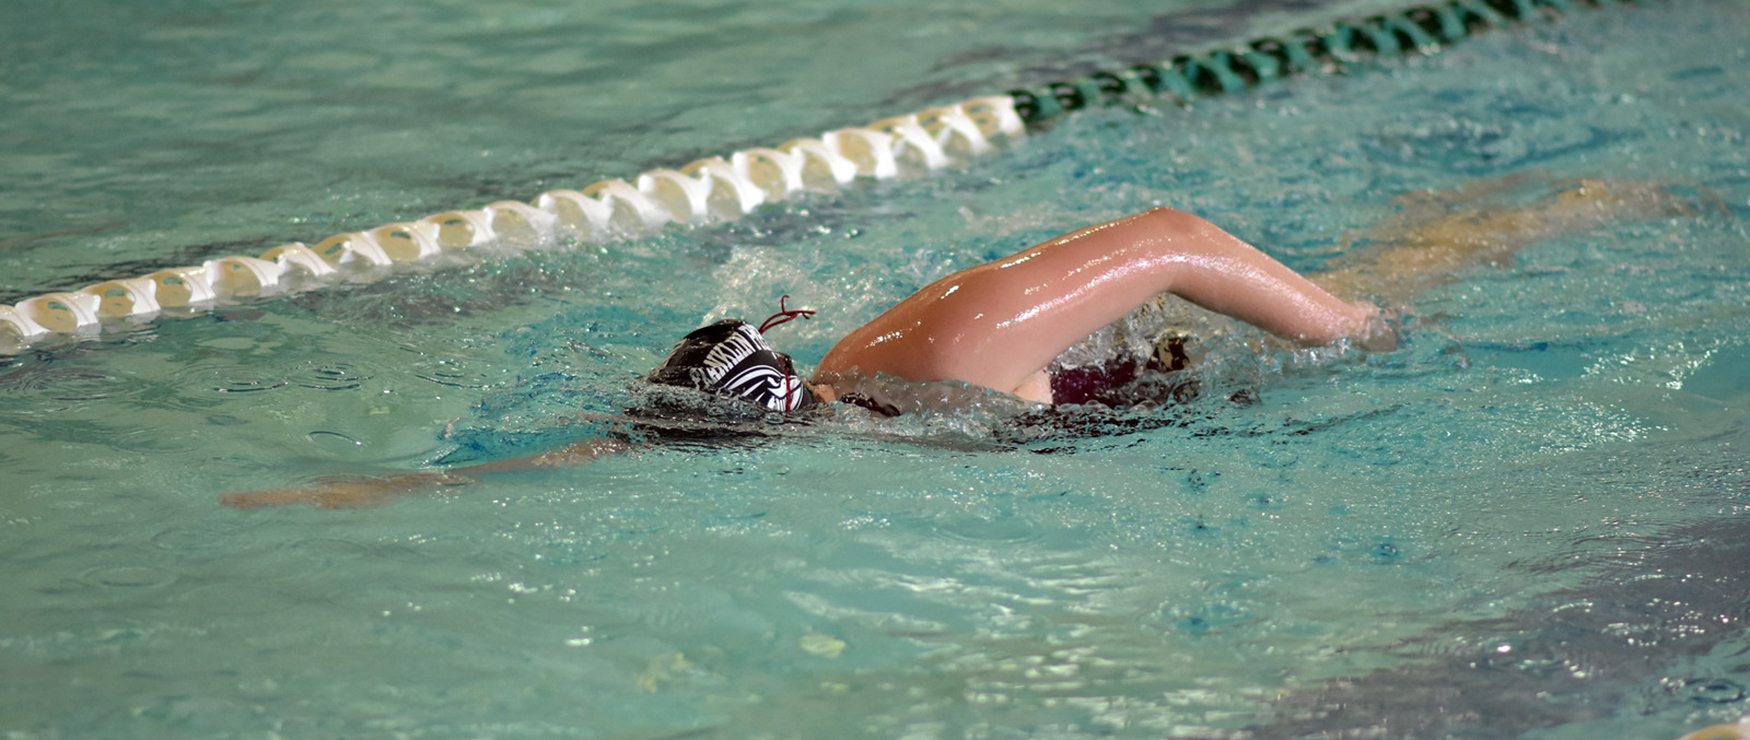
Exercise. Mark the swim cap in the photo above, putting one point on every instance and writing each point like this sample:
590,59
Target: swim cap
731,358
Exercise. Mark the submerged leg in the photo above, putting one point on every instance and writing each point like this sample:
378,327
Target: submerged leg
1437,234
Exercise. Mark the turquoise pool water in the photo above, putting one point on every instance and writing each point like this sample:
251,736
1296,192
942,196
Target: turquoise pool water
1542,491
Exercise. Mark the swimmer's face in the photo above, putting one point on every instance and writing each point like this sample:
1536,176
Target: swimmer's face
731,358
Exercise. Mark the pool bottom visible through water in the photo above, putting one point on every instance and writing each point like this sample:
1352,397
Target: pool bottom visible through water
1524,522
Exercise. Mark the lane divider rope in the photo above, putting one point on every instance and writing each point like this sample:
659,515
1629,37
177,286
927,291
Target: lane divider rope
718,189
1329,49
706,191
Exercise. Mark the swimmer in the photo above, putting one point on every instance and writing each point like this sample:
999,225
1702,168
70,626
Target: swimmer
1000,325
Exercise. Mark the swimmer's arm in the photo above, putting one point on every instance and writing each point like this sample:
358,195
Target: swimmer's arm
1001,323
357,492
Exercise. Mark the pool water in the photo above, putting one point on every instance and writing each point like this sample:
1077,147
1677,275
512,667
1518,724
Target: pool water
1525,522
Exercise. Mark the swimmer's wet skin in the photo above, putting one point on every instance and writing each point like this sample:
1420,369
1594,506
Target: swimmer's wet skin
1000,325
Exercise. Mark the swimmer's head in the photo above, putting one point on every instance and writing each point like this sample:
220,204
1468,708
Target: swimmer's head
731,358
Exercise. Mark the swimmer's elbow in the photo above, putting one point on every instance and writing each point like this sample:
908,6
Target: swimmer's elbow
1176,231
1171,221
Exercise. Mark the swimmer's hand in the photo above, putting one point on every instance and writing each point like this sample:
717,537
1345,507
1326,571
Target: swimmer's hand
350,492
1376,333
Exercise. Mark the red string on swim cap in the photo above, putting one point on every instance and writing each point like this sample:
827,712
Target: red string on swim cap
784,314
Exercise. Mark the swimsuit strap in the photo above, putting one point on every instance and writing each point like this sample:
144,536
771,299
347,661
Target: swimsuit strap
880,409
784,315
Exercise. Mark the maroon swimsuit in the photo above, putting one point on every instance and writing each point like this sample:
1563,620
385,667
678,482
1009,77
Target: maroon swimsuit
1091,382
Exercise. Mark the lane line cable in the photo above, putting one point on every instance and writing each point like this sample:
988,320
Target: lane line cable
719,189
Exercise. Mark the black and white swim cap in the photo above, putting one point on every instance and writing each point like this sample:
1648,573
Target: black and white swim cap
731,358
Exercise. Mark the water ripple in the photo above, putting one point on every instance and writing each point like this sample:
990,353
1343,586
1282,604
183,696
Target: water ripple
331,376
183,538
129,576
232,384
